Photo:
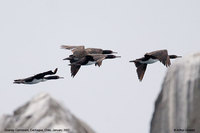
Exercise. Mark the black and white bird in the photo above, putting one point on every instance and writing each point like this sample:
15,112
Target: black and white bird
80,51
88,50
152,57
38,78
86,56
89,60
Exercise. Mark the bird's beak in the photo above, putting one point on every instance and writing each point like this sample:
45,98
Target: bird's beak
61,77
66,59
131,61
179,56
115,52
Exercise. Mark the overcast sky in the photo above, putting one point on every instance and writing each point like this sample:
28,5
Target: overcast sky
110,99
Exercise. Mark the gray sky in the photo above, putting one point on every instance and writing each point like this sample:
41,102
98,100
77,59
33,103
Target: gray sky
110,98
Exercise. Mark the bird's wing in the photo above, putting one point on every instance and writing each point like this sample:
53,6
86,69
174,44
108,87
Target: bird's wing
80,61
99,62
141,70
41,75
55,71
74,69
72,48
136,62
98,58
79,53
161,55
94,50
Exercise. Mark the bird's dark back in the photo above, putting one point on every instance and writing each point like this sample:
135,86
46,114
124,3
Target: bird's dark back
80,53
94,51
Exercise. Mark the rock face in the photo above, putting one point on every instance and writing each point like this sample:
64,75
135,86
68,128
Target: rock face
42,113
177,107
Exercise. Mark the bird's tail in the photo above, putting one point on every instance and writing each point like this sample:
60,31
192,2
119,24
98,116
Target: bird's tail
18,81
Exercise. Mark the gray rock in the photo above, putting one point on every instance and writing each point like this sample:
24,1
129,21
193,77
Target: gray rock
178,104
42,113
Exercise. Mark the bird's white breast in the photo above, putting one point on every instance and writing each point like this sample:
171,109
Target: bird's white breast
150,61
35,81
91,62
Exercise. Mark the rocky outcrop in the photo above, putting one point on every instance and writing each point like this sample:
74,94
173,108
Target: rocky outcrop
42,113
177,108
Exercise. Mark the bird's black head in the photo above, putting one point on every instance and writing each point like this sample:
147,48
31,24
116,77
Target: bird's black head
108,52
112,56
71,58
174,56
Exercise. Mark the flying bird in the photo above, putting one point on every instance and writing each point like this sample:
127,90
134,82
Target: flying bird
88,50
80,51
38,78
89,60
152,57
86,56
